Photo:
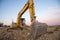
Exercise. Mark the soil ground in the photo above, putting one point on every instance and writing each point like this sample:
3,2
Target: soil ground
53,33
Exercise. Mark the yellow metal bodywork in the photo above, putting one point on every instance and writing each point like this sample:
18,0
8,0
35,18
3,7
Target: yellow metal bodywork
29,5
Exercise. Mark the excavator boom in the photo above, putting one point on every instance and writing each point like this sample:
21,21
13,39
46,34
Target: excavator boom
18,23
29,5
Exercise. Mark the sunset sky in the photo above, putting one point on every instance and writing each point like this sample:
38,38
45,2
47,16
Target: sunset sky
46,11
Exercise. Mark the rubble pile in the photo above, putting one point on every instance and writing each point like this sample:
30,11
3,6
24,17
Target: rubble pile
37,31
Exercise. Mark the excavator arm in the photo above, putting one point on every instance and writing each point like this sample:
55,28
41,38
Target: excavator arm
31,10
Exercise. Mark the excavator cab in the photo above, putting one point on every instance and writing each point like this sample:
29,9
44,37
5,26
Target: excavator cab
22,21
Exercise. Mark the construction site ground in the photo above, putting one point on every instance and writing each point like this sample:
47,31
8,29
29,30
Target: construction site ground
53,33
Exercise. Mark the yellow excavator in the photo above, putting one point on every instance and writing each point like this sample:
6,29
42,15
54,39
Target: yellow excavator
29,5
20,21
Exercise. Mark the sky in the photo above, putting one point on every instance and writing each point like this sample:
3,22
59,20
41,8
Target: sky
46,11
